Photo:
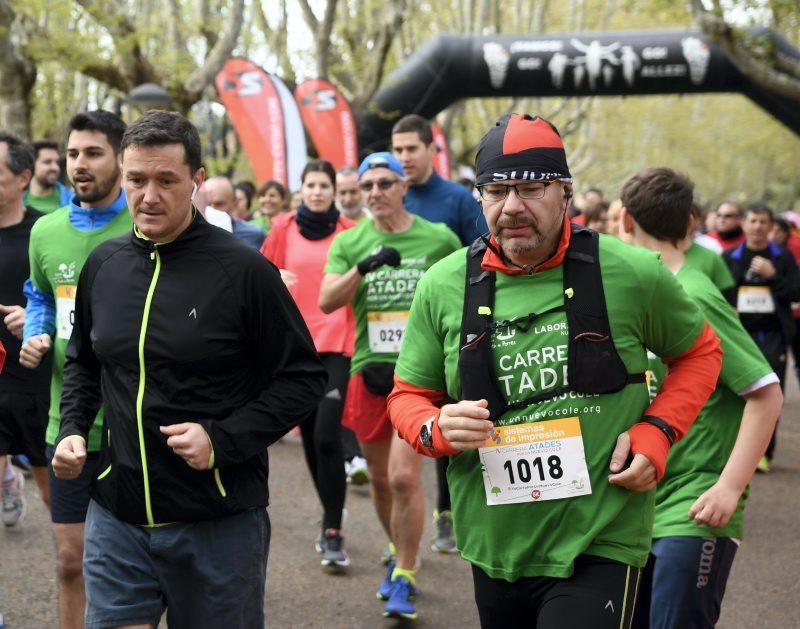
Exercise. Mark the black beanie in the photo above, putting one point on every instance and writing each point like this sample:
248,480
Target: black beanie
521,147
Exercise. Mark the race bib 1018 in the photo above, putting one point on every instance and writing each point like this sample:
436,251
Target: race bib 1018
535,461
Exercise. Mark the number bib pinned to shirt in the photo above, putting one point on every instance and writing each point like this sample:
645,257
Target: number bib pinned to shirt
535,461
65,310
385,331
755,299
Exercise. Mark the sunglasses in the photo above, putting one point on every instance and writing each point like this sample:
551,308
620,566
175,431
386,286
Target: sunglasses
383,184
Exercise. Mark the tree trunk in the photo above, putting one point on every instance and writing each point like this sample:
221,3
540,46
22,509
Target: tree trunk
17,75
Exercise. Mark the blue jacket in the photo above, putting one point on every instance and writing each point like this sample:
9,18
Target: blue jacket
441,201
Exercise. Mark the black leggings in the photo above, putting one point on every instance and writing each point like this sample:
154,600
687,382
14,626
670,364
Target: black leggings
600,594
322,441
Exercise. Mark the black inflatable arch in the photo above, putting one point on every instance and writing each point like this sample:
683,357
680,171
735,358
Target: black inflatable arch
451,67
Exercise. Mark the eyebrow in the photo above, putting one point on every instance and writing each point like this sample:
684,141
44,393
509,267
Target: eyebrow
86,148
160,173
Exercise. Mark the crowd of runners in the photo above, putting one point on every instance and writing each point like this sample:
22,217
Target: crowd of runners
597,381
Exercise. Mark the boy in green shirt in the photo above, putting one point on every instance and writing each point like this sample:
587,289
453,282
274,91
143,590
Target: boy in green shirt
700,500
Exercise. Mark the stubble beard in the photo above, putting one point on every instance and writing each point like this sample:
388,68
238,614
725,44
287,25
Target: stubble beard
101,190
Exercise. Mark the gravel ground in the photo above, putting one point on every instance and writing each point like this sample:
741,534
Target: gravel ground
763,590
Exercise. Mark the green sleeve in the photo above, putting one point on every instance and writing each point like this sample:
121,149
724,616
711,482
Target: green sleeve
338,261
38,275
421,360
721,274
672,320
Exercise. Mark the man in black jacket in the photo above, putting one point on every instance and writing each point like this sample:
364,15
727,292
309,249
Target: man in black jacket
767,282
202,360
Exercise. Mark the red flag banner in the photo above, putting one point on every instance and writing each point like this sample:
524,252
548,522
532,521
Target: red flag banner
329,121
266,120
441,161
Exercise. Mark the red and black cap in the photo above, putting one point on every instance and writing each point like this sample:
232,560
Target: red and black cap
521,147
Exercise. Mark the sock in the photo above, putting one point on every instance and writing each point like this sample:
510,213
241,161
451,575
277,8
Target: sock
392,548
410,575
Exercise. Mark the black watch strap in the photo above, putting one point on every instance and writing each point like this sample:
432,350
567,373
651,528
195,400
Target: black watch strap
669,431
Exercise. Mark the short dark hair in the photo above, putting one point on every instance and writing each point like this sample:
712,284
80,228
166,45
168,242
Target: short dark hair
782,224
414,123
320,166
269,185
248,188
660,201
41,145
159,128
761,208
19,155
100,120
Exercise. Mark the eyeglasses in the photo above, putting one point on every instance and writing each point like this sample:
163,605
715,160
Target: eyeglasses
383,184
495,192
728,216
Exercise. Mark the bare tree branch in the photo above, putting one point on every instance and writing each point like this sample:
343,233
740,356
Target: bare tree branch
323,35
205,74
308,15
393,20
737,45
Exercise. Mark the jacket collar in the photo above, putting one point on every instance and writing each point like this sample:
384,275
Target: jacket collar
194,232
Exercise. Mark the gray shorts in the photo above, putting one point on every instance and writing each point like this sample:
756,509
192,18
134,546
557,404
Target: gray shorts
205,574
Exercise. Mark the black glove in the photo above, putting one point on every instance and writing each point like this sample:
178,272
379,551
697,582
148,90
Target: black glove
382,255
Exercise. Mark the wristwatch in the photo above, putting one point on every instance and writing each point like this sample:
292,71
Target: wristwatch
426,433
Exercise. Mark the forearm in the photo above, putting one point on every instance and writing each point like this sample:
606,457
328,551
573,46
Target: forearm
339,290
287,399
409,408
40,312
760,415
80,399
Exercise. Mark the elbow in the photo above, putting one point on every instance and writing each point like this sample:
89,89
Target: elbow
326,303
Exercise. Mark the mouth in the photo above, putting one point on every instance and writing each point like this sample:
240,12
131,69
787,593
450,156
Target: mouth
516,231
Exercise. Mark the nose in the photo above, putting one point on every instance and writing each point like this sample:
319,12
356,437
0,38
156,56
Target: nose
150,194
513,204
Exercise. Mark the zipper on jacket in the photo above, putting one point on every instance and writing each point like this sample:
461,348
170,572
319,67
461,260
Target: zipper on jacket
140,393
218,481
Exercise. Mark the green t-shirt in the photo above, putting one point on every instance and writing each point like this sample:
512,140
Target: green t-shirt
57,254
647,309
384,297
259,221
695,463
48,204
711,264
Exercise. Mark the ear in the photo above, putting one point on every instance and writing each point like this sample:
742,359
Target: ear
626,220
198,178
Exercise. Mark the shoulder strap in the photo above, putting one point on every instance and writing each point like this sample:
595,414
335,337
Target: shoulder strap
478,294
593,363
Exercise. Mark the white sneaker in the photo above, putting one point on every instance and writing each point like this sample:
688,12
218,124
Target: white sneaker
14,500
357,473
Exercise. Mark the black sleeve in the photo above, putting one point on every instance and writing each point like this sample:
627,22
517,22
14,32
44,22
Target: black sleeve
787,279
294,377
80,397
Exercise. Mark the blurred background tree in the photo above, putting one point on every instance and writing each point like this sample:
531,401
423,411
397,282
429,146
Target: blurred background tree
62,56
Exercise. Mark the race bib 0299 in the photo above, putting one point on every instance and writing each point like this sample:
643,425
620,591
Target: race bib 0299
535,461
385,331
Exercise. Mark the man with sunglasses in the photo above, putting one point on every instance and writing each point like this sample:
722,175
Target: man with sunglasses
728,224
376,266
555,446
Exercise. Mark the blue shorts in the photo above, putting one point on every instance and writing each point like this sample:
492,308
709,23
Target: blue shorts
210,573
684,582
69,499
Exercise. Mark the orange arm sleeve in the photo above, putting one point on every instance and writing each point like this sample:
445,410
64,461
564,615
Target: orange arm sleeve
410,407
691,379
